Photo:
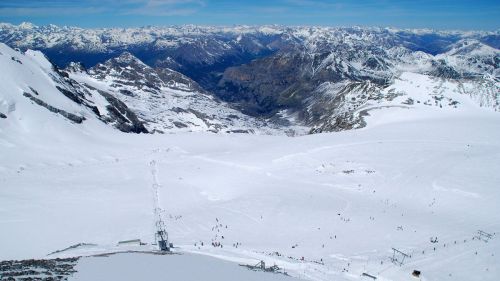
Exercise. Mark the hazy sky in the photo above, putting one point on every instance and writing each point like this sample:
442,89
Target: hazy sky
445,14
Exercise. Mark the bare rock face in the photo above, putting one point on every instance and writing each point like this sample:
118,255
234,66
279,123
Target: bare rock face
121,116
442,70
288,81
70,116
42,270
262,87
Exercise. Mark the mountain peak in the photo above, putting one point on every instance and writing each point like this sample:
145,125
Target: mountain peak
124,61
27,25
127,57
471,47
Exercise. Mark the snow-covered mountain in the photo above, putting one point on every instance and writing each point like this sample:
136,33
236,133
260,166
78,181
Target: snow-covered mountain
28,35
313,70
122,92
34,93
326,79
341,106
330,85
472,58
165,100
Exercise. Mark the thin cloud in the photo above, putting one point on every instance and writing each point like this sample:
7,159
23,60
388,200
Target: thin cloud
52,11
122,7
165,7
147,11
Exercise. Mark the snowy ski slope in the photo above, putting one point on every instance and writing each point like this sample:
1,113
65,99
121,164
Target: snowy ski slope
341,201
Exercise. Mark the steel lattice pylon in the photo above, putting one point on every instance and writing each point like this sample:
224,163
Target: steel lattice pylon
161,234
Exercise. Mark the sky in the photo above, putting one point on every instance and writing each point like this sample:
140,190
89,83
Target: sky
444,14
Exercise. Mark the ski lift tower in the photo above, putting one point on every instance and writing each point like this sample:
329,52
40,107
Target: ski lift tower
161,234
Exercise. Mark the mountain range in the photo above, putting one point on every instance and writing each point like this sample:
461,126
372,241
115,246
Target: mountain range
266,79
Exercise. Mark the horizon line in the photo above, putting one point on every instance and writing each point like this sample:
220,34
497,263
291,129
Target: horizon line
260,25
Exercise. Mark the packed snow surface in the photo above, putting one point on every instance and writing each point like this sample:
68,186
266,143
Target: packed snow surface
137,266
323,207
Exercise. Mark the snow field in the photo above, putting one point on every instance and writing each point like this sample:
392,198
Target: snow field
340,201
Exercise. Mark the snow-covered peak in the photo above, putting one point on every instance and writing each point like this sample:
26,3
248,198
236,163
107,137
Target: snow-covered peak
127,57
28,35
33,58
472,47
128,69
124,62
39,57
472,58
4,25
27,25
33,93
